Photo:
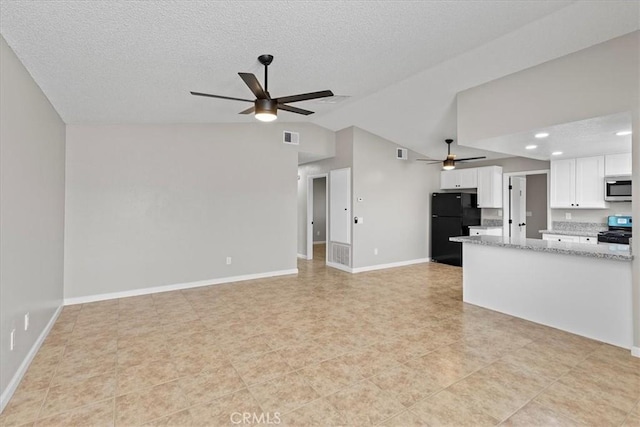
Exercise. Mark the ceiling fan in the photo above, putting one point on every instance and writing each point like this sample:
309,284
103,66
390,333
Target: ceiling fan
450,162
265,107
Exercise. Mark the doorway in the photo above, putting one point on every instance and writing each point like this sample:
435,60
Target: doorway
317,212
526,204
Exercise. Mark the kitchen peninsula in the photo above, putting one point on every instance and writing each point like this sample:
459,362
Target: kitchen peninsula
580,288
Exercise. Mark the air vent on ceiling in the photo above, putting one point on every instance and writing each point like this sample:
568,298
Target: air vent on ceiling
292,138
401,154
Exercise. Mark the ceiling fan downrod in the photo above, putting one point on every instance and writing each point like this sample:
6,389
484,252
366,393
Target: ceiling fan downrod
266,61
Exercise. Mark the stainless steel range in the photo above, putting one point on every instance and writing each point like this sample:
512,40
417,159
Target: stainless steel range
620,229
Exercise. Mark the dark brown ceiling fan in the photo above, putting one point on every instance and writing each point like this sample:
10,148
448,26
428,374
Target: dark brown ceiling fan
265,107
450,162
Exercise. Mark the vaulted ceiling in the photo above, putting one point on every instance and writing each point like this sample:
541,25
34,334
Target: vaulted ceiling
398,64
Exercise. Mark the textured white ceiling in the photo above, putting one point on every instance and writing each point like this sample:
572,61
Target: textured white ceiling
590,137
401,62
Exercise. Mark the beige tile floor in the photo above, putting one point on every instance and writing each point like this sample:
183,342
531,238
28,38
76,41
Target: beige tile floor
394,347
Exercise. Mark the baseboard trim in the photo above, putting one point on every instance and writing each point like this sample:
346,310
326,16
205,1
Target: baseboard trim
319,243
176,287
390,265
635,351
339,267
22,369
302,256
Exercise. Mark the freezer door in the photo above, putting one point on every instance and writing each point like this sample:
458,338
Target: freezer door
446,204
442,250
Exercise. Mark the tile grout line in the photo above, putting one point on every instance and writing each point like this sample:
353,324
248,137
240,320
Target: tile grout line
545,389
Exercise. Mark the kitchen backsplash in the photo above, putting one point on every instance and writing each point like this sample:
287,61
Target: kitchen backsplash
490,222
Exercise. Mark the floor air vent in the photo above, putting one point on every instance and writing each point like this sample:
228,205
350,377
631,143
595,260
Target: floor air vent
341,254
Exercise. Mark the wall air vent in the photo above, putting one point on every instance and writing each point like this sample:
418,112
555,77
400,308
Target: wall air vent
402,154
292,138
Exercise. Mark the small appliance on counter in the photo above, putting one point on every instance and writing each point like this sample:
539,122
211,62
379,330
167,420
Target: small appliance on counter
451,215
620,228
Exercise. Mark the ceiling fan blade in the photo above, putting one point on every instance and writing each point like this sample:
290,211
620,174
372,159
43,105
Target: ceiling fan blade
470,158
220,96
430,161
294,109
304,96
249,110
255,86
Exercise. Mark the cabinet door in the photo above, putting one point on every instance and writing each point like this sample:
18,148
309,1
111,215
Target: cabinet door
589,240
561,238
617,164
449,180
590,182
468,177
563,183
490,187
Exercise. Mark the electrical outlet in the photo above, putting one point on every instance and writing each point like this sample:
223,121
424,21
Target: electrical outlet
12,340
567,215
375,251
26,322
499,212
228,260
317,233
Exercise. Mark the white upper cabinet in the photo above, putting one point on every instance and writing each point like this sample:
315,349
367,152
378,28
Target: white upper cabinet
617,164
578,183
458,179
590,182
468,178
490,187
563,183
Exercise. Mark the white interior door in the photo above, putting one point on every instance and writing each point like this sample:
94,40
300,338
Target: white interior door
340,206
518,207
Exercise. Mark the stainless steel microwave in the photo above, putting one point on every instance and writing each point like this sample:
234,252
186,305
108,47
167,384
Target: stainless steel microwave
617,188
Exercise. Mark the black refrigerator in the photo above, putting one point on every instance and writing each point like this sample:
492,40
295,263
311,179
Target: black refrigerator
451,215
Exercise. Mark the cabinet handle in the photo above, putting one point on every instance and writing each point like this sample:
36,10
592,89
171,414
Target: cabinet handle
559,240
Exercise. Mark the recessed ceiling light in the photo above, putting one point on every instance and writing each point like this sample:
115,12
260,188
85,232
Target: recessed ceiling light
541,135
623,133
531,147
556,153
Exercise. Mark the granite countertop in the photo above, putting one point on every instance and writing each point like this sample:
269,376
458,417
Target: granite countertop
485,227
581,233
603,251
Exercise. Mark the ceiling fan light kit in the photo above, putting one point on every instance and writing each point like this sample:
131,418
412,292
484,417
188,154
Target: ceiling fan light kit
266,110
449,163
265,107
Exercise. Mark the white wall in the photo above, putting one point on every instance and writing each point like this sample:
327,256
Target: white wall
597,81
396,202
156,205
320,209
32,144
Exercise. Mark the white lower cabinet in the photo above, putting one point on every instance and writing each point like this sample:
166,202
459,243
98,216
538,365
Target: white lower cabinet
571,239
589,240
561,238
485,231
